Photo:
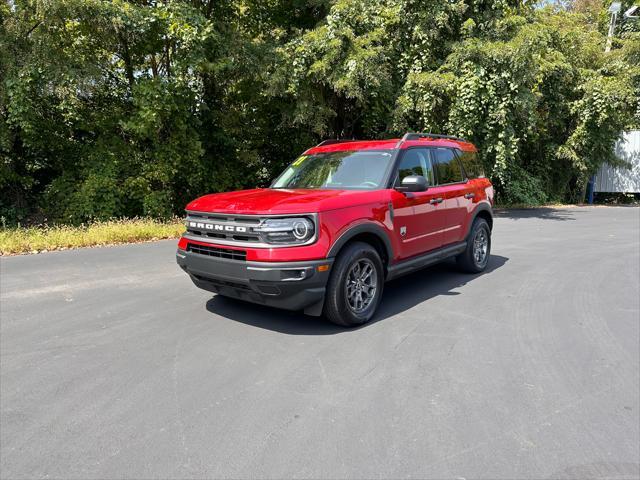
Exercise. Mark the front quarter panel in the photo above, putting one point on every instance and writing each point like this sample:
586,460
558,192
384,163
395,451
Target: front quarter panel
334,225
342,224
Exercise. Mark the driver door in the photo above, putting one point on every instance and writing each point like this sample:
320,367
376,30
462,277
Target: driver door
419,217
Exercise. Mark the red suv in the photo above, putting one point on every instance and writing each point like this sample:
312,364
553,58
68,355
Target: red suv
341,220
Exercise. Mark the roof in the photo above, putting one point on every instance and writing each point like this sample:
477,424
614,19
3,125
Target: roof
390,144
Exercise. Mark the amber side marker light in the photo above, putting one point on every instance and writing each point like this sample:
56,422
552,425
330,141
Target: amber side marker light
323,268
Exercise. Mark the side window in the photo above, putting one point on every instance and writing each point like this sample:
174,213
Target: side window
448,166
415,161
471,164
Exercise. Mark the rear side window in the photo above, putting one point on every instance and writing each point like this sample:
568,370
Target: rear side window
471,164
415,161
447,166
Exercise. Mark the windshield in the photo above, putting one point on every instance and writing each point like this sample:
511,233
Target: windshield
362,170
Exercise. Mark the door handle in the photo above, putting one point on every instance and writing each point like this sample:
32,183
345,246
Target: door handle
470,195
435,201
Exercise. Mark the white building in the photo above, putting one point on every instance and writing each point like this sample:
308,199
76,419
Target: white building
621,180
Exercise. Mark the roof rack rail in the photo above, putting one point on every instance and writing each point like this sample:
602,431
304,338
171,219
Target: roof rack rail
334,141
417,136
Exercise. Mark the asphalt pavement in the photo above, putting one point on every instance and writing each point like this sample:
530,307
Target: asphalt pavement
113,365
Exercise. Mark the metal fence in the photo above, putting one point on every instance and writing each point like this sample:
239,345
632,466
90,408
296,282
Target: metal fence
621,180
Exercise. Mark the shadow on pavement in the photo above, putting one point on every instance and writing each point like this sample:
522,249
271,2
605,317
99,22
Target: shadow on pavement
399,295
544,213
600,470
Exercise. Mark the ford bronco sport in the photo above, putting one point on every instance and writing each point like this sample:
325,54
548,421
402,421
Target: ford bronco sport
342,219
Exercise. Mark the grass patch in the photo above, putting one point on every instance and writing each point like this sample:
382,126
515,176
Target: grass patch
42,239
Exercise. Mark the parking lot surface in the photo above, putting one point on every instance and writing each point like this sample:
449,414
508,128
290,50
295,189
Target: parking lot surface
113,365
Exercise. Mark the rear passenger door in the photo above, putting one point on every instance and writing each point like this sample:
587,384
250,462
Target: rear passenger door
456,192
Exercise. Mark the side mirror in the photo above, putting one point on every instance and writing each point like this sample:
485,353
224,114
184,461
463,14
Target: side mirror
413,183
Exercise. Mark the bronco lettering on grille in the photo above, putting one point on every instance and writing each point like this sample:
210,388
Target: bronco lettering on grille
216,227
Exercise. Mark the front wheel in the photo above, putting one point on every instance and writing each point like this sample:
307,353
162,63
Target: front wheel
476,256
355,286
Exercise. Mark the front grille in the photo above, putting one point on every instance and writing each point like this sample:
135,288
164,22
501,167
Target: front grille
233,228
217,252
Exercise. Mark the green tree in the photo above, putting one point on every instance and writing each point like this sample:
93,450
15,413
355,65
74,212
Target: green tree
134,107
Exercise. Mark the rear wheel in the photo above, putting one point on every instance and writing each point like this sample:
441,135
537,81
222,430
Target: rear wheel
355,286
476,256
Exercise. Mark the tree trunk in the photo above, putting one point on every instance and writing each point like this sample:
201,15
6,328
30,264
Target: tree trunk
126,58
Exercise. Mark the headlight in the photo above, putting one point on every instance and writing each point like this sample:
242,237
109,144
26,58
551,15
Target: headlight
291,231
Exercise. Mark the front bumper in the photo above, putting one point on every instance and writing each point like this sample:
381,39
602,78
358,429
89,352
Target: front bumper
287,285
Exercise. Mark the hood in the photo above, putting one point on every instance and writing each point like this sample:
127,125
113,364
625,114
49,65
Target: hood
280,201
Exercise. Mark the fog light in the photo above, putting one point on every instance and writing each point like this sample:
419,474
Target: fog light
293,275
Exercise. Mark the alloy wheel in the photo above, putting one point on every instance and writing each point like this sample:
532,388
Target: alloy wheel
480,247
361,285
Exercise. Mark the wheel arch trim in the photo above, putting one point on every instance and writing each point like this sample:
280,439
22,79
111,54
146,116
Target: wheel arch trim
352,232
483,207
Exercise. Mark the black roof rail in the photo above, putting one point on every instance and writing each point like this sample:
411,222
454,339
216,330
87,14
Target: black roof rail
334,141
417,136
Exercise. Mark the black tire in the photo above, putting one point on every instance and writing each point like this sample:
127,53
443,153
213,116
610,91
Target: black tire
337,306
469,261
